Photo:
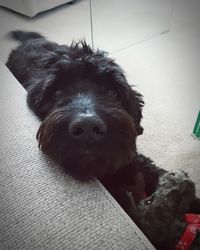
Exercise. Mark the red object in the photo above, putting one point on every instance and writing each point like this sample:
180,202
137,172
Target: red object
190,233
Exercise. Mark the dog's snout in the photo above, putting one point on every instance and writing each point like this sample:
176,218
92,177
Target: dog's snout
87,128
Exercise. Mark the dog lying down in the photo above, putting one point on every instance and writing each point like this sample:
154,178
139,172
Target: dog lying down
90,119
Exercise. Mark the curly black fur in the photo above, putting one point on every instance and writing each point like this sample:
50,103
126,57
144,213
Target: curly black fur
90,119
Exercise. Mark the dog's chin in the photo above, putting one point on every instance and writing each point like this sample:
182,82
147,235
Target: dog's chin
86,166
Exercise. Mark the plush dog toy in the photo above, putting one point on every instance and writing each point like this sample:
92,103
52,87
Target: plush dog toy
162,216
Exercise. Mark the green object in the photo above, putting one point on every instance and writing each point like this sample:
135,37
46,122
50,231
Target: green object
196,130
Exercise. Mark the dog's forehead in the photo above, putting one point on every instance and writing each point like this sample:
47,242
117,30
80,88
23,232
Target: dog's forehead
85,102
85,99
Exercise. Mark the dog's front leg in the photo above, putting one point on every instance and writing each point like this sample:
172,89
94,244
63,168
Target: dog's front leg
150,171
125,200
127,187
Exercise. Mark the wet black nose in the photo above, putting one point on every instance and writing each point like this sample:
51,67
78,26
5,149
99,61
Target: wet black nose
87,128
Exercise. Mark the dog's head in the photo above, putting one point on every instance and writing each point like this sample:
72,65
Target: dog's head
91,116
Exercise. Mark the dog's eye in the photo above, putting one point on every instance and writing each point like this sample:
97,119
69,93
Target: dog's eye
109,92
58,92
113,93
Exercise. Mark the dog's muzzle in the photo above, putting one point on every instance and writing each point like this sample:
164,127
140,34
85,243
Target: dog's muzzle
89,136
86,127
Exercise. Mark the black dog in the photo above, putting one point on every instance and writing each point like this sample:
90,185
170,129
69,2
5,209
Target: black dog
90,115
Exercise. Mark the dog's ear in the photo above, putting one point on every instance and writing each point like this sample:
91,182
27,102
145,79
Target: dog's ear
40,98
135,104
51,132
46,134
131,99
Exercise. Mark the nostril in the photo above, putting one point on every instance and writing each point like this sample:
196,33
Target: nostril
76,129
99,130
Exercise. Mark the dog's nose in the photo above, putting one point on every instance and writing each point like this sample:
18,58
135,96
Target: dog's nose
87,128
